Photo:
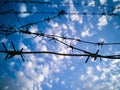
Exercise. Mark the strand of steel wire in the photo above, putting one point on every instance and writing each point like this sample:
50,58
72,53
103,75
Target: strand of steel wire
9,30
58,3
84,13
93,55
54,13
63,54
14,52
59,14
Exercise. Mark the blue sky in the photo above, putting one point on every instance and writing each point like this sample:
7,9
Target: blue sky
54,72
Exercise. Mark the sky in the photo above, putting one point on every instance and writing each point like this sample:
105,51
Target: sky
55,72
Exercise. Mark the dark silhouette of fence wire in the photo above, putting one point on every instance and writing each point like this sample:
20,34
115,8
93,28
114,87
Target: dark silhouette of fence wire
58,3
8,30
12,53
54,13
55,38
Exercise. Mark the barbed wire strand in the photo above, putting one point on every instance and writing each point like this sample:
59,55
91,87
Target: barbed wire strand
11,30
59,3
52,12
62,54
21,29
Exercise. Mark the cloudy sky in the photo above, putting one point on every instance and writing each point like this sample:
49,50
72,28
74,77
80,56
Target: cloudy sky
88,20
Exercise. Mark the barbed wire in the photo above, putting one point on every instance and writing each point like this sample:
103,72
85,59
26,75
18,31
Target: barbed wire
57,14
8,30
54,13
53,37
12,53
58,3
62,3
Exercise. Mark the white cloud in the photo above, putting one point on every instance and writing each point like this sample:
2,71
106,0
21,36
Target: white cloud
102,1
40,78
117,8
72,28
87,33
102,21
115,0
92,3
103,76
46,71
64,26
33,29
89,70
72,68
83,77
4,40
22,45
23,8
54,24
23,81
75,17
95,78
34,9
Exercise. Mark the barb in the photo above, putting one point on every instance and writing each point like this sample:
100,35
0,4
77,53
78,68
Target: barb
12,53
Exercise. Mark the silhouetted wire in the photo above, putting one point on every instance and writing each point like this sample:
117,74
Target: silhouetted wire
54,13
58,3
63,54
9,30
12,53
60,13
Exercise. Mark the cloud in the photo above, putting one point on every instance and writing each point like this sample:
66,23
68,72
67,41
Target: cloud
92,3
102,1
33,29
115,0
102,21
39,70
87,33
117,8
4,40
75,17
23,8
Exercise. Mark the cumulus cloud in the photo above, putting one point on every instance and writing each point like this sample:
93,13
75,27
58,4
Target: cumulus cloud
115,0
4,40
102,21
39,70
23,8
92,3
87,33
117,8
102,1
75,17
